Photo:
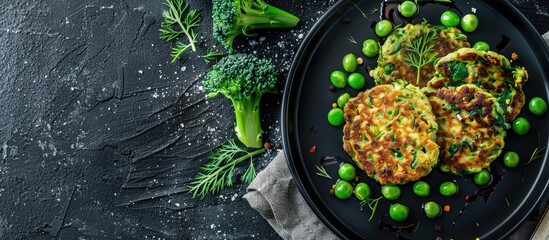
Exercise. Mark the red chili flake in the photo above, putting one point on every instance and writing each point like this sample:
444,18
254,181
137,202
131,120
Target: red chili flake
312,150
478,225
446,208
467,198
439,238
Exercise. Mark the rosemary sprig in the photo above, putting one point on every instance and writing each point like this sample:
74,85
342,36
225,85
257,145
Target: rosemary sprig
212,55
538,152
218,173
360,10
351,39
184,24
419,50
372,204
321,171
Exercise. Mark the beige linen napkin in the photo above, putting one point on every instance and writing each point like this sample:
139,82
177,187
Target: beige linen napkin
274,195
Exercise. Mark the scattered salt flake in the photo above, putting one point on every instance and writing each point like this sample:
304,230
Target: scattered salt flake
140,71
183,68
300,36
474,10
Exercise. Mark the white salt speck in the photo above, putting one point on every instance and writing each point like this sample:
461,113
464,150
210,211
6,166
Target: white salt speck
140,71
300,36
474,10
234,197
212,226
155,95
183,68
177,204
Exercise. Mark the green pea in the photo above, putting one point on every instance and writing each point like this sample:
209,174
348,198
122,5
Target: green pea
537,106
370,48
521,126
482,178
407,9
469,22
449,19
431,209
362,191
421,188
347,172
390,192
356,81
335,117
343,189
398,212
481,46
343,99
383,28
338,79
350,63
511,159
448,188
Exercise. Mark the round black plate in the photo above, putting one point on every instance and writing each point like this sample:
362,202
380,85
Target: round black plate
308,99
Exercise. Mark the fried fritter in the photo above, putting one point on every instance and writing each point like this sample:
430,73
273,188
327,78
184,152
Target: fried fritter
488,70
390,133
397,52
471,133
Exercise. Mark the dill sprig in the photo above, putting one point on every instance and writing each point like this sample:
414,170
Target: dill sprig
419,50
351,39
321,171
538,151
212,55
372,204
218,173
184,24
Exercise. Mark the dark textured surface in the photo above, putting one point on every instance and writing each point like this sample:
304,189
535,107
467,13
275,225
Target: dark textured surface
100,134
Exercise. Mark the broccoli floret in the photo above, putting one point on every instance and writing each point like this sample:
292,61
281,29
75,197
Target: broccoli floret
234,17
243,78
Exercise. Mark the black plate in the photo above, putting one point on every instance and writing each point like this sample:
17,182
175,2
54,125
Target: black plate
308,99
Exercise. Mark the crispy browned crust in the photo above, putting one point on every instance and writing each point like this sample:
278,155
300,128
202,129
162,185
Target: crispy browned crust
390,133
470,134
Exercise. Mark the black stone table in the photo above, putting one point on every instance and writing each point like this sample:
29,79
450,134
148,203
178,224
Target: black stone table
99,133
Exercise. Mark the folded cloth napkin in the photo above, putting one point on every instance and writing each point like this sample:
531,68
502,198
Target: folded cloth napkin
274,195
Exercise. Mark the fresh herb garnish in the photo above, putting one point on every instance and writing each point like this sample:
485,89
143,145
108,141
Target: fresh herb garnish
419,50
351,39
446,1
218,173
538,152
212,55
374,10
372,204
321,171
184,24
361,12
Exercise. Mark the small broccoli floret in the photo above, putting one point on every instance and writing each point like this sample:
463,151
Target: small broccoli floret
234,17
243,78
